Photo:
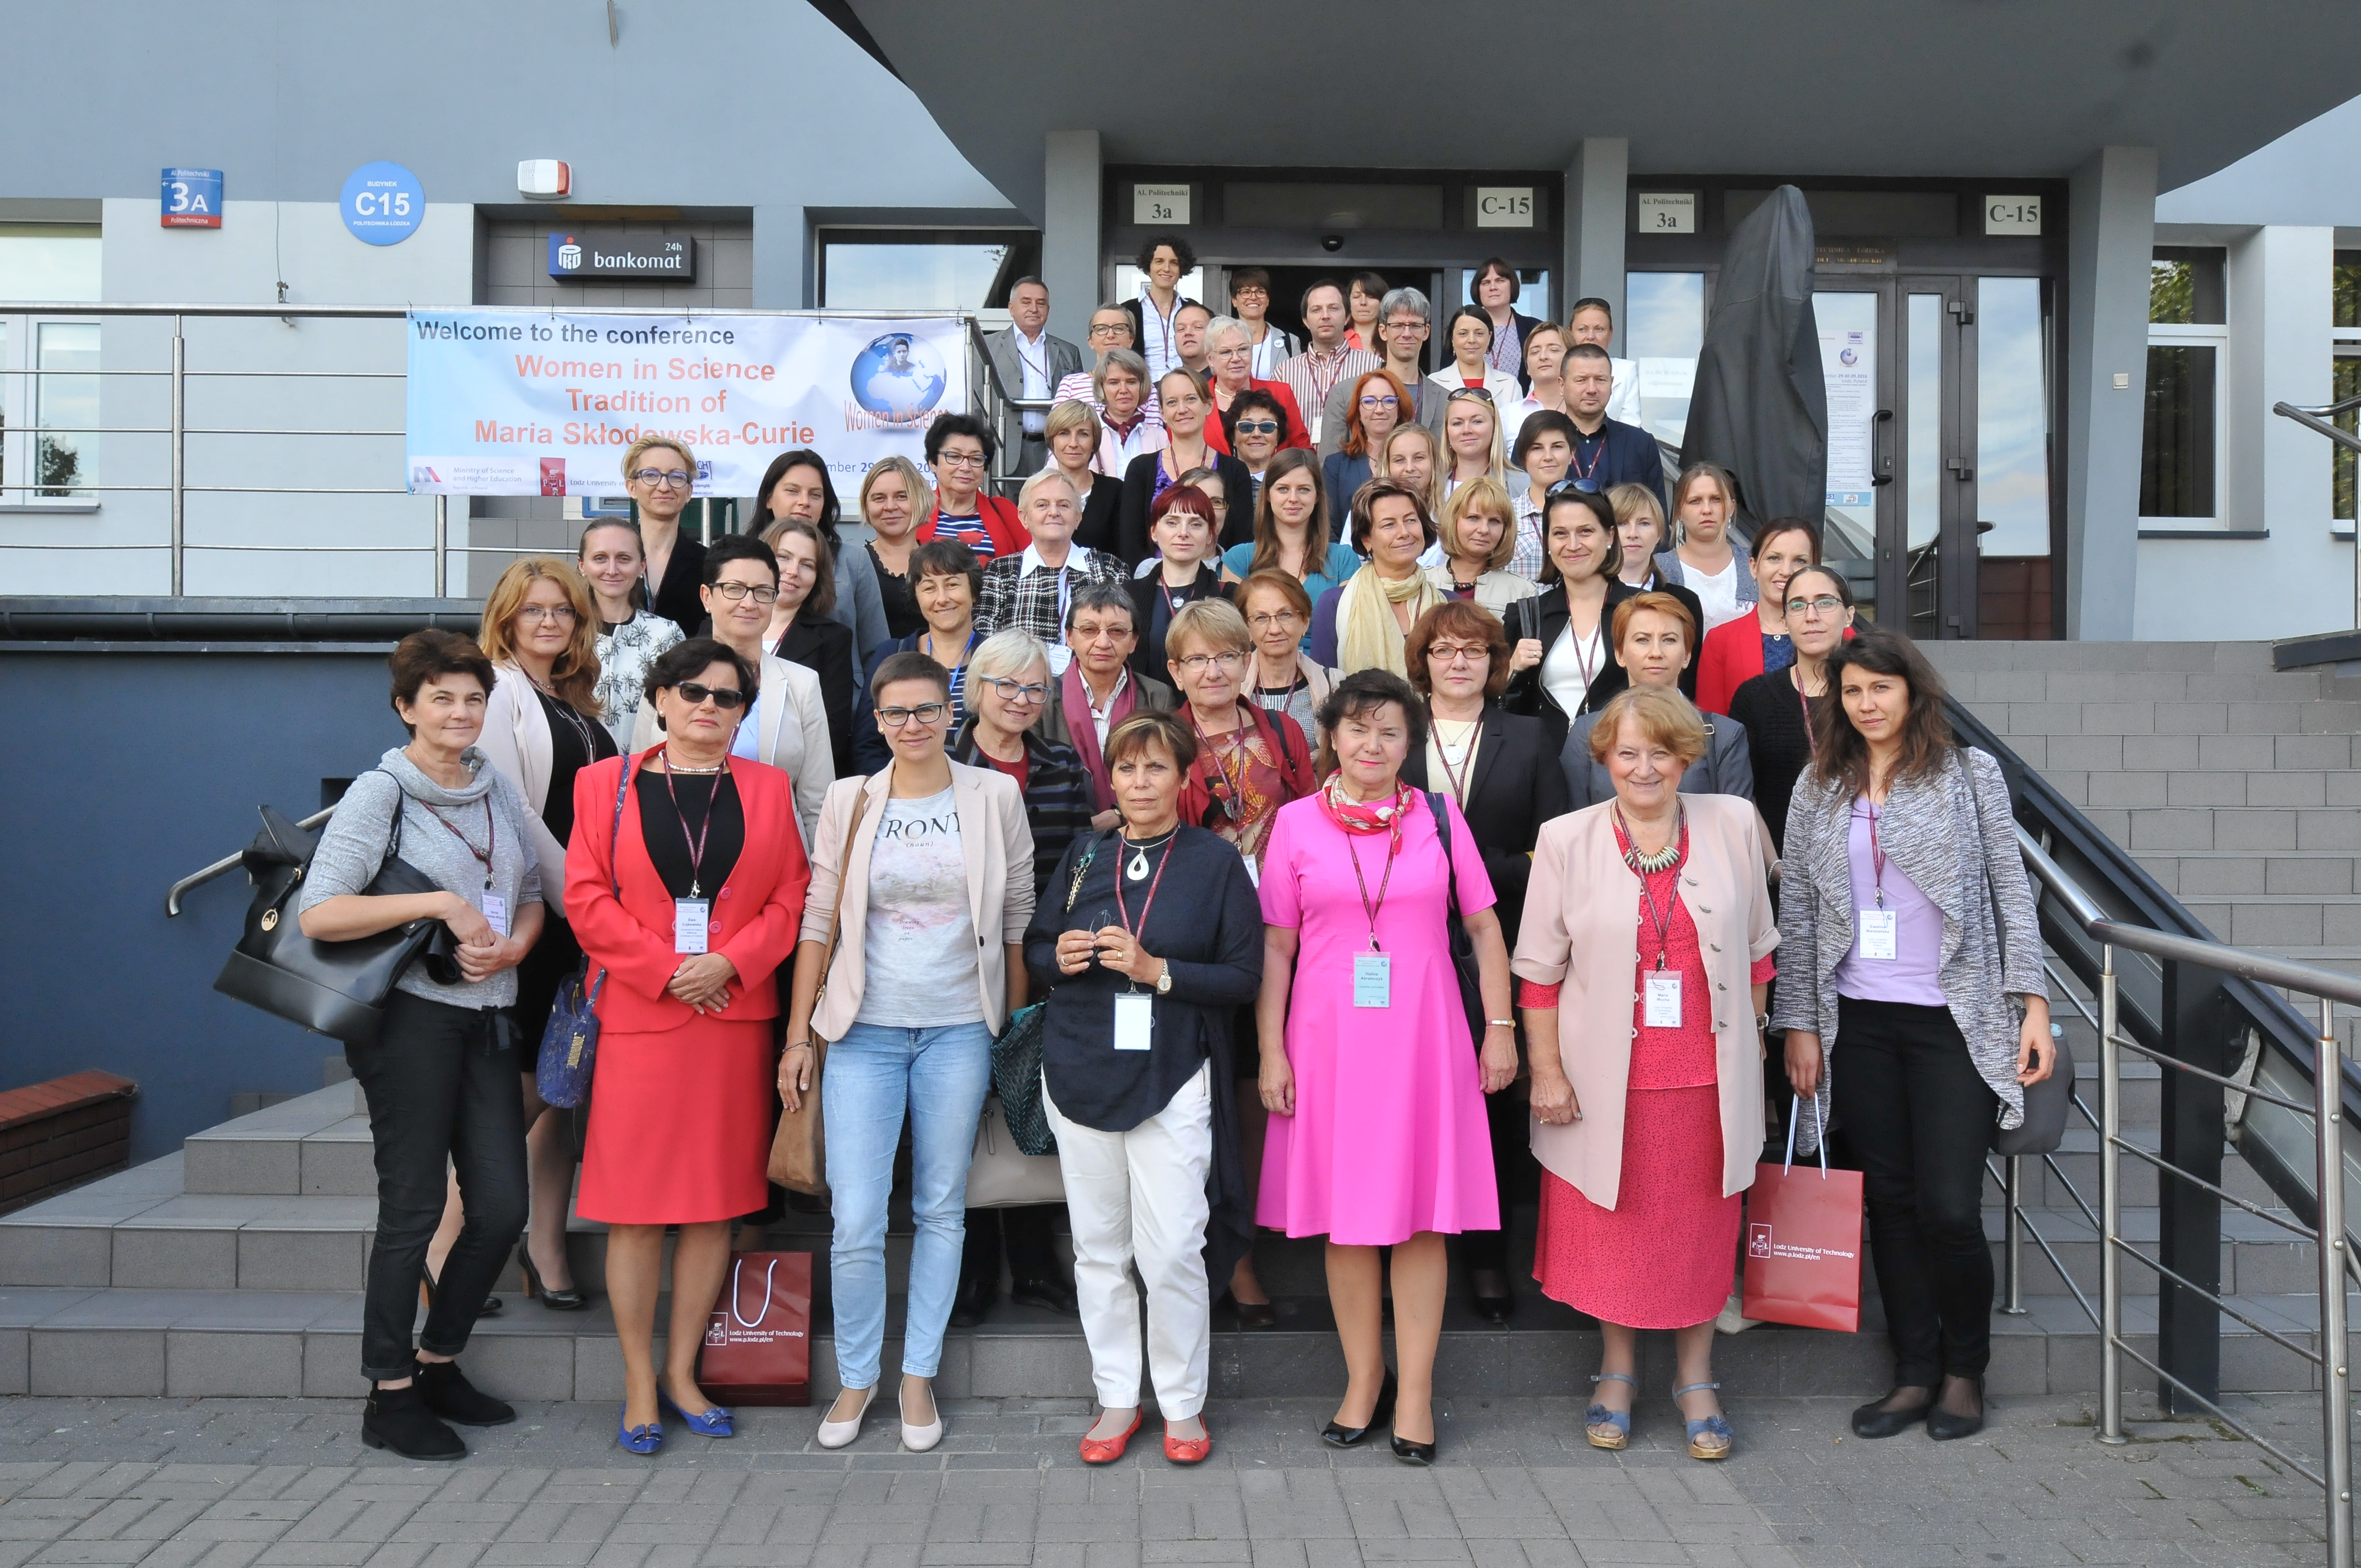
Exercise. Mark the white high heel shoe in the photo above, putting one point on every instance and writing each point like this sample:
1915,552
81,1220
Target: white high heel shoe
839,1434
918,1439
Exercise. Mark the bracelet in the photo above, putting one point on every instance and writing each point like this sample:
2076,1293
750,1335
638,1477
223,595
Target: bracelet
1499,1023
799,1044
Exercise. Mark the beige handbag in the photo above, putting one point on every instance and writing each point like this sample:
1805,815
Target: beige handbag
1002,1176
800,1148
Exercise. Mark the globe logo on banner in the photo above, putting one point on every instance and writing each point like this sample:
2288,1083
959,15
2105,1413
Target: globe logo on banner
898,379
569,254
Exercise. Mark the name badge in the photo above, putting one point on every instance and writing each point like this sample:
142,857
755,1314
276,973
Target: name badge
1135,1020
1060,657
1373,980
1661,998
1254,871
1878,933
690,918
496,912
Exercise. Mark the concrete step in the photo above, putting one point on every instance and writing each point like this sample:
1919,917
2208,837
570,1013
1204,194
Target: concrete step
2258,1258
2193,874
316,1145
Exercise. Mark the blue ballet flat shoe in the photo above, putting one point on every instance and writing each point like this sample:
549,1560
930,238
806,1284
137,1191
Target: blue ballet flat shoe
639,1440
1709,1438
715,1422
1601,1416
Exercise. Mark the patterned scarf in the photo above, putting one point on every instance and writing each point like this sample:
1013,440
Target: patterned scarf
1364,817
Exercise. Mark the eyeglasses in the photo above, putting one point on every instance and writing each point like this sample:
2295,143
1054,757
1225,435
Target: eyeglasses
662,479
1272,619
1258,427
1458,653
724,698
1012,691
736,591
1110,329
925,713
1571,487
949,459
1195,664
1098,634
531,614
1250,292
1826,604
1384,402
1482,393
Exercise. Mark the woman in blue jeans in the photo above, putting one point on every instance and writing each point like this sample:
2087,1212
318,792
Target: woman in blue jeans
934,862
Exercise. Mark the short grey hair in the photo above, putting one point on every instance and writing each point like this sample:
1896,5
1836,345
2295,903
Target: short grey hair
1120,359
1222,327
1404,298
1103,595
1051,473
1008,653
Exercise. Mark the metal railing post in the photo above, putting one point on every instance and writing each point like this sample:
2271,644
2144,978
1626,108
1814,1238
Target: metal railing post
2012,1255
2335,1380
2111,1208
442,547
180,451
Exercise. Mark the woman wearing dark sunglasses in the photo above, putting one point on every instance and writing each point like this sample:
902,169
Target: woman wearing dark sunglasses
686,888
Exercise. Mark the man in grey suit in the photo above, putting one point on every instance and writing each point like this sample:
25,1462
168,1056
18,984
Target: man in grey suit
1030,362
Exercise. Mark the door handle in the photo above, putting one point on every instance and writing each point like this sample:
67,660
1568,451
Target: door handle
1882,464
1964,312
1960,470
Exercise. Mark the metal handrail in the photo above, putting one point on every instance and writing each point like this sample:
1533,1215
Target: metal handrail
223,867
2316,420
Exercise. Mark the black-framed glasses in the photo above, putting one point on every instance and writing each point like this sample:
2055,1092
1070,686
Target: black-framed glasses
925,713
734,591
1016,691
726,699
1109,329
1571,487
1482,393
662,479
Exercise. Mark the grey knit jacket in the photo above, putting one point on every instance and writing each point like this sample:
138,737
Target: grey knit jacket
353,846
1953,836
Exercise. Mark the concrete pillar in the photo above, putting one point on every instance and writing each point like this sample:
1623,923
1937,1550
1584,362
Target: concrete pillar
1069,232
1595,226
2110,241
783,277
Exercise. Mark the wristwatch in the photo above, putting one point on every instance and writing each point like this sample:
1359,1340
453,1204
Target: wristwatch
1762,1022
1164,981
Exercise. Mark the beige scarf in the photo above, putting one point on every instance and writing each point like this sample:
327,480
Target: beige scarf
1368,636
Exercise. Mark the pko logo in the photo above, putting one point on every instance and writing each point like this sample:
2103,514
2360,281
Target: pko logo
569,254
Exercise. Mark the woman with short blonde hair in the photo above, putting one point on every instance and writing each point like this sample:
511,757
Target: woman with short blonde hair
1479,539
893,496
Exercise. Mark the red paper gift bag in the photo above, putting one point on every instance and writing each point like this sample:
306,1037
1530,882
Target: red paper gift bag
1803,1245
757,1346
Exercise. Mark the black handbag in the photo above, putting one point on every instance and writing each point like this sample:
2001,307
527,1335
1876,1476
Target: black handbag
337,989
1463,945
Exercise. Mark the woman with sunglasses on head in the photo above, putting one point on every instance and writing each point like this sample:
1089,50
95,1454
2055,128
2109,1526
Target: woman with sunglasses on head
927,865
630,634
796,484
1186,410
1009,689
1783,708
1376,403
686,884
661,478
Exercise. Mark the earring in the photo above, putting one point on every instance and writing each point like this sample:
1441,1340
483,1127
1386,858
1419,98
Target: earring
660,724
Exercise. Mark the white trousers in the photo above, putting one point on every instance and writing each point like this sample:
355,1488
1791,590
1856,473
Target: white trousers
1139,1196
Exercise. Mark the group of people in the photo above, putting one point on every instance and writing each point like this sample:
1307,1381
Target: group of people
1381,841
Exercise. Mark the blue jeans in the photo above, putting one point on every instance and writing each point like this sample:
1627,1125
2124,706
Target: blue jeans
873,1074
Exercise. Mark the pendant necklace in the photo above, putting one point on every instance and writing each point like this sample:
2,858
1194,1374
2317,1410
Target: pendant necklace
1137,870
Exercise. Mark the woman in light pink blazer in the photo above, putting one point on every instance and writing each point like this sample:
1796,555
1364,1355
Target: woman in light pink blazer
1645,954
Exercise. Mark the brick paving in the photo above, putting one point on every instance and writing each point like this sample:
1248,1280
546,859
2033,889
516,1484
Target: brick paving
229,1483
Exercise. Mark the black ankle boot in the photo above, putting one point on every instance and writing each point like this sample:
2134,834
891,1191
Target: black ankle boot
398,1418
448,1394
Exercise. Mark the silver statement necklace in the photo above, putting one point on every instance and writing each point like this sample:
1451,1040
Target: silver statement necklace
1138,868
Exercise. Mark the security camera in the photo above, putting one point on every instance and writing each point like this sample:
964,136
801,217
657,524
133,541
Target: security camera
1332,242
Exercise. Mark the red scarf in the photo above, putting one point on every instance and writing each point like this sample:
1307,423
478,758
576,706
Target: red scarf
1369,816
1076,698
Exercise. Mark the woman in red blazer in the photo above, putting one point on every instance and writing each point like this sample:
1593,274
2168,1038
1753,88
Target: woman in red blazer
684,882
959,451
1737,650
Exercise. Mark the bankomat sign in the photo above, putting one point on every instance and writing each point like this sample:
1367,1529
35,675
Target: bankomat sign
580,254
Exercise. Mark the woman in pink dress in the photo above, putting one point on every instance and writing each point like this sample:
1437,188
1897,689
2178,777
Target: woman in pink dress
1369,1068
1647,928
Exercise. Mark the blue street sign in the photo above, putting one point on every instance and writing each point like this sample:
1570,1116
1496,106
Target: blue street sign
383,204
193,198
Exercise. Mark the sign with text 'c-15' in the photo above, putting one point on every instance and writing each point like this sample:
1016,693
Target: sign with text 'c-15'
382,204
532,402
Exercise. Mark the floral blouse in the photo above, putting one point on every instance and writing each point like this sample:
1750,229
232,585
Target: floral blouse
625,652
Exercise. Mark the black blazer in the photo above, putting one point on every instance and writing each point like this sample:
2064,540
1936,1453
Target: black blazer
1543,619
1517,786
1149,661
676,599
823,645
1131,540
1097,529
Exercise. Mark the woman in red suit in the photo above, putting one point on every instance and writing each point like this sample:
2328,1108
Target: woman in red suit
1737,650
684,882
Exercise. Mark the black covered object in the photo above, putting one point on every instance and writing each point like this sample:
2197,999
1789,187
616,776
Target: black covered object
1760,408
337,989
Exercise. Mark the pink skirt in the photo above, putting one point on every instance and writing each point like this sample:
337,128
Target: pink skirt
680,1124
1664,1256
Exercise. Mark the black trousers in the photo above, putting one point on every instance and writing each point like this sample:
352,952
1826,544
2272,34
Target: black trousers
1509,1117
1029,1234
442,1087
1919,1117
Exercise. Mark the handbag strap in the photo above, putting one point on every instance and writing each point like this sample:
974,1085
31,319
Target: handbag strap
835,909
614,862
737,1266
1451,865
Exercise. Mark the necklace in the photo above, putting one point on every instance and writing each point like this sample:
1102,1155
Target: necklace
1662,860
673,767
1138,868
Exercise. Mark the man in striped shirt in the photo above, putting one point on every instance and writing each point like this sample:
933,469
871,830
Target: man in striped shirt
1319,369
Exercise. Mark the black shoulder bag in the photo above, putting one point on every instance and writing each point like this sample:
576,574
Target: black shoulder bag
1463,945
337,989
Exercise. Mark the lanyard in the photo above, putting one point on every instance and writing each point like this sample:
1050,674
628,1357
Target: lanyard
1589,667
1459,775
1810,739
712,809
1596,458
491,836
1876,852
1163,323
1662,921
1233,792
1139,928
1041,369
1393,849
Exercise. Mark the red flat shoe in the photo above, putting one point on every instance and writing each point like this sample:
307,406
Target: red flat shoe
1106,1452
1188,1450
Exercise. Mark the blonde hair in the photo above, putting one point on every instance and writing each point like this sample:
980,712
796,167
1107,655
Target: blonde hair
574,676
1665,718
648,444
1215,622
1383,467
1070,415
1007,653
1487,495
922,489
1496,461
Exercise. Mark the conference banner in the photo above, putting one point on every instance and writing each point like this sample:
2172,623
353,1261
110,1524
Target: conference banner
535,403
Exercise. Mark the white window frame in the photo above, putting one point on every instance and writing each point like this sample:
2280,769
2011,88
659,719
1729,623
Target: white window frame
2345,343
19,403
2216,336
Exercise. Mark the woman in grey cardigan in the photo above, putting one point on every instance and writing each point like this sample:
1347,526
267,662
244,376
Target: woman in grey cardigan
441,1078
1915,1005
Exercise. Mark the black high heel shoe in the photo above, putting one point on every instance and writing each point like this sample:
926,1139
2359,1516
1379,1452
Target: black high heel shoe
570,1300
1252,1314
1410,1452
1336,1436
428,1285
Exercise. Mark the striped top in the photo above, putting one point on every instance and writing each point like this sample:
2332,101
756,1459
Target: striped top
1056,795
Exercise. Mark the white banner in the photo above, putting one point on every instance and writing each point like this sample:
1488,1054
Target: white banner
534,402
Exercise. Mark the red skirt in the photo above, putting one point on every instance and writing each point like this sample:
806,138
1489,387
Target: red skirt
680,1124
1665,1256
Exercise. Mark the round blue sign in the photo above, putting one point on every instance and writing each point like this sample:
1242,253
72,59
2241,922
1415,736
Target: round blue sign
383,204
897,377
